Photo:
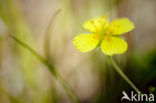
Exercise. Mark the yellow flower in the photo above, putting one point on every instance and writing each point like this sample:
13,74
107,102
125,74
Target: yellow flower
104,35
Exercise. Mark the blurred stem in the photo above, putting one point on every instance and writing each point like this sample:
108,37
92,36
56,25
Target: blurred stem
0,52
117,68
47,46
48,35
70,92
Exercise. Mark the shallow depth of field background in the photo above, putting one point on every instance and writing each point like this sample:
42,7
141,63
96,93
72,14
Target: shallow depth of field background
23,79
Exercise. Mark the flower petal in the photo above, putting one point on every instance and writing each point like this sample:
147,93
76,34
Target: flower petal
120,26
113,45
96,25
86,42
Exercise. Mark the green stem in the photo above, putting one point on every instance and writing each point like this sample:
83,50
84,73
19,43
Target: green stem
72,95
117,68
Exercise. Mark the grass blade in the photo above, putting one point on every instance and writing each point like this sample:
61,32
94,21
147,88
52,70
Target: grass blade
72,95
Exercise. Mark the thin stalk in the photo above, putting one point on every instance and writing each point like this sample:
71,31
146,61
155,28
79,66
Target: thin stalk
117,68
48,35
72,95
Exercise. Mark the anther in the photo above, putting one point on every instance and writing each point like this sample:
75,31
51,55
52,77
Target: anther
105,16
92,22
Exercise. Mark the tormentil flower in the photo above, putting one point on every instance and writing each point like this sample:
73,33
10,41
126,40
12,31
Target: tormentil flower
104,35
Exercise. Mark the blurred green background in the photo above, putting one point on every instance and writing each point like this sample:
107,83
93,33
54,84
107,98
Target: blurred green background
23,79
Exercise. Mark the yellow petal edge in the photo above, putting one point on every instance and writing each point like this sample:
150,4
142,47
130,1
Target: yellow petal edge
86,42
113,45
120,26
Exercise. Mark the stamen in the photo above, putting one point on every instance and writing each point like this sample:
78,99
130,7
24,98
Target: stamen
92,22
106,15
105,21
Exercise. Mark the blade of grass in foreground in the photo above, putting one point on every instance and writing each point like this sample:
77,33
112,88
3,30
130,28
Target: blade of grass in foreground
48,35
72,95
47,46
